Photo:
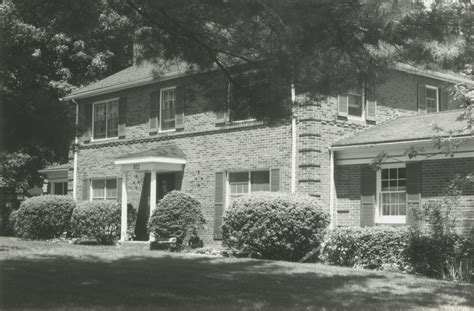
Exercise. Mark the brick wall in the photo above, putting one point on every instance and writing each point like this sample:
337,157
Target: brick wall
436,175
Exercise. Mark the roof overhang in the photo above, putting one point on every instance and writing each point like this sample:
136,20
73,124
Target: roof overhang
451,78
396,151
167,158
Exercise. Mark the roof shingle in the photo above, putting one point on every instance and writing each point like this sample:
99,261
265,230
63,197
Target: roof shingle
407,128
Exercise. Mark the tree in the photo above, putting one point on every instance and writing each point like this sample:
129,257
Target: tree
48,48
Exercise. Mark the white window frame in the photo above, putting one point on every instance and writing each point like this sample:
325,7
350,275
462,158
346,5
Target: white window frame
363,103
159,109
431,87
387,219
229,195
91,189
106,119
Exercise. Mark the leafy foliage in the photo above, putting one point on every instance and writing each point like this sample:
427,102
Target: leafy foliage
10,224
380,248
178,215
100,220
44,217
274,225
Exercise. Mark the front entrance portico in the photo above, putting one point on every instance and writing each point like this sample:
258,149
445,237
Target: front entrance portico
166,159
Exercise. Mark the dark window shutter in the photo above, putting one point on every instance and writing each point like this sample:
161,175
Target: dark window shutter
275,179
48,191
87,122
421,98
219,201
413,188
122,116
367,191
154,105
443,104
342,105
179,112
119,189
86,190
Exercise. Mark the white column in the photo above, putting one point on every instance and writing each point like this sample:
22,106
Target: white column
152,196
331,189
293,140
123,233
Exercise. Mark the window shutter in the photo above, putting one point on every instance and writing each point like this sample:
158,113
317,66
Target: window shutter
367,191
122,116
119,189
219,200
87,122
224,98
342,105
421,98
275,179
413,189
443,98
154,104
48,191
86,190
179,112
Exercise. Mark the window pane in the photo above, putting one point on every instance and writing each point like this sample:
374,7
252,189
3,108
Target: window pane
393,185
239,182
355,105
98,188
393,173
111,185
384,185
238,177
393,198
401,172
99,121
401,185
384,173
167,113
112,119
260,181
59,188
430,93
385,210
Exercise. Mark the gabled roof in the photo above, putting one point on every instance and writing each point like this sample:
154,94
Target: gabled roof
145,73
408,128
167,151
55,168
136,75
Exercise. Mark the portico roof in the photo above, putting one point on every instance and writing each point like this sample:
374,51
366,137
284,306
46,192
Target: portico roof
164,154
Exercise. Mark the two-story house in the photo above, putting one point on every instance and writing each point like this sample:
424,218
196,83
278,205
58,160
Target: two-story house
143,137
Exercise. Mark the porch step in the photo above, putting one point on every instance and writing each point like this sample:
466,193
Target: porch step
134,245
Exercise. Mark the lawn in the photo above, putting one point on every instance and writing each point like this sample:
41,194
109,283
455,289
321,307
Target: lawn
65,276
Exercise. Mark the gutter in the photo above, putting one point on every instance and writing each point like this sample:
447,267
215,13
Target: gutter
76,141
293,142
331,189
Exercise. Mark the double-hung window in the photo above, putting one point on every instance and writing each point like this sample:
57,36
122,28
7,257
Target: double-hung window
354,103
432,98
391,188
106,119
104,189
241,183
167,109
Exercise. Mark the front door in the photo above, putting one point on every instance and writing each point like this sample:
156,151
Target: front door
164,184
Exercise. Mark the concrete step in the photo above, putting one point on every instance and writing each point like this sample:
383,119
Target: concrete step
134,245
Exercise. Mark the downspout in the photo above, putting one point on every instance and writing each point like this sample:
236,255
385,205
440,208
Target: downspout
76,140
293,140
331,188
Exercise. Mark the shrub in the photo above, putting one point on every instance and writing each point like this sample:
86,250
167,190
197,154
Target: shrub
369,247
177,215
44,217
10,225
98,219
274,225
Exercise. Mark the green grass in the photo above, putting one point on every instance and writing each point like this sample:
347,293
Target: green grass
65,276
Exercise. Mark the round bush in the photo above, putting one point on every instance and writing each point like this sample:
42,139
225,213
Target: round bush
44,217
98,219
177,215
380,248
274,225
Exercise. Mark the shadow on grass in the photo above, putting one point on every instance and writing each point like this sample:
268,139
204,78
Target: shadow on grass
176,282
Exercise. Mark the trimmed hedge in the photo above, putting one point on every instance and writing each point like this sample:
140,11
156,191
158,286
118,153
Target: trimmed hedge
381,248
177,215
98,219
44,217
274,225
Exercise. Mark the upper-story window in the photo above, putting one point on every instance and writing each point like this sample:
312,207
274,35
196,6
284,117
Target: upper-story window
354,102
249,86
432,98
105,119
167,109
